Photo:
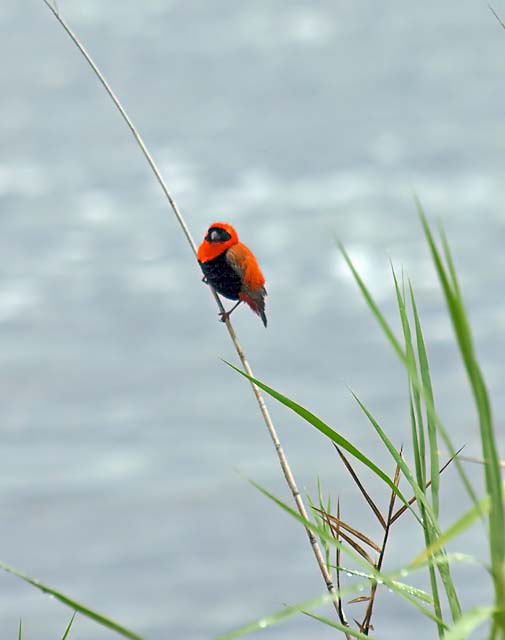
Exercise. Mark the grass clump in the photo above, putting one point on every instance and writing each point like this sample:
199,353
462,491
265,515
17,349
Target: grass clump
441,604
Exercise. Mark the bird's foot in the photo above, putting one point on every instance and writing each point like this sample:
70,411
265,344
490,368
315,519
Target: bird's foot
224,315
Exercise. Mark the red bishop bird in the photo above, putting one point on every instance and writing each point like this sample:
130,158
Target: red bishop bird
231,268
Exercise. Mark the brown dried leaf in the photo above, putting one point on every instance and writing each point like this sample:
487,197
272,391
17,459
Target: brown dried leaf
352,543
361,628
336,522
336,533
396,481
359,599
403,508
364,492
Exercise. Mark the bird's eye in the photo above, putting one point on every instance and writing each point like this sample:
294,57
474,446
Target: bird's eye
216,234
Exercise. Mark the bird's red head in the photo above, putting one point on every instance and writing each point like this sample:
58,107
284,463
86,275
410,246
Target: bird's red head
220,236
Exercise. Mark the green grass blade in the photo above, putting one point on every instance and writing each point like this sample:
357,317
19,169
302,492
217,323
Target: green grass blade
419,449
324,429
373,305
468,622
461,524
69,626
269,621
413,591
314,527
429,526
395,454
322,520
492,470
450,558
437,606
417,385
417,425
73,604
453,276
406,595
500,21
428,392
354,633
324,526
289,611
20,631
412,372
397,585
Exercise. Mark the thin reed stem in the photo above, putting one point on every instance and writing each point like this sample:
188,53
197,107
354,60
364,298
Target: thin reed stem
365,625
240,352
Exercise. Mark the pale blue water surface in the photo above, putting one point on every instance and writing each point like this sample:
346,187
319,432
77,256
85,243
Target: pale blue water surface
121,430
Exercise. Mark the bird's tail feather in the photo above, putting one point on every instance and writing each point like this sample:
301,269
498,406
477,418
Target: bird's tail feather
257,304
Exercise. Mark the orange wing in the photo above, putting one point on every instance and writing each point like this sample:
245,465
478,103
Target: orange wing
242,260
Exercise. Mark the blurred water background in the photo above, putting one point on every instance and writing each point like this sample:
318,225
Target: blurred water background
121,430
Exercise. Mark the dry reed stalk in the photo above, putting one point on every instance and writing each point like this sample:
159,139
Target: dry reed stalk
240,352
366,624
